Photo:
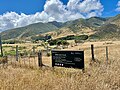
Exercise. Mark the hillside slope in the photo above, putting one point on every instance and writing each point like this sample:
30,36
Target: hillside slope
95,27
78,27
27,31
109,30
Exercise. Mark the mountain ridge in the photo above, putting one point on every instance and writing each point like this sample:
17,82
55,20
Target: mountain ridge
90,26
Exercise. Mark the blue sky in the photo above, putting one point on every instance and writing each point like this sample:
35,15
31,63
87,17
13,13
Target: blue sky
33,6
19,13
109,7
24,6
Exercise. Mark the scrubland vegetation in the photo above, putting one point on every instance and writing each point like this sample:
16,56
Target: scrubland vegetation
97,76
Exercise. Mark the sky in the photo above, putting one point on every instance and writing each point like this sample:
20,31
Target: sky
19,13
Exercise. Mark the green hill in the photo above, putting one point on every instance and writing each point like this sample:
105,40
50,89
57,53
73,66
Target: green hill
109,30
115,20
96,21
33,29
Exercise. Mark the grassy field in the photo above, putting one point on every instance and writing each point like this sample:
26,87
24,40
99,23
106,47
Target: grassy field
97,76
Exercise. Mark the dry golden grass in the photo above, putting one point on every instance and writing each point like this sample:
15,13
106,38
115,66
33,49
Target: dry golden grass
98,76
65,31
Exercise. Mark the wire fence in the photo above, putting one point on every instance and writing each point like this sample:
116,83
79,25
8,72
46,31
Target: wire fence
40,58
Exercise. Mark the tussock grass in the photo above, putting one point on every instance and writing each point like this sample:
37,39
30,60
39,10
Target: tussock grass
98,76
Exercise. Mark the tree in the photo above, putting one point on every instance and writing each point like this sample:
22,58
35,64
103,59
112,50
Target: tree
65,43
79,41
47,37
59,42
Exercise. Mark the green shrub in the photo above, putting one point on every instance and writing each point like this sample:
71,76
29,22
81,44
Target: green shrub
81,37
12,42
94,37
65,43
40,37
11,52
70,37
59,42
52,42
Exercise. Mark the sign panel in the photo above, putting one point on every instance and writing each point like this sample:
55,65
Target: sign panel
62,58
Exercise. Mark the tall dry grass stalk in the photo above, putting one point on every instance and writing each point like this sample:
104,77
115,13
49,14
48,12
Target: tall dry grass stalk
98,76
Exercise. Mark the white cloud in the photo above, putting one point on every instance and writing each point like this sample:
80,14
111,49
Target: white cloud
118,6
86,6
54,10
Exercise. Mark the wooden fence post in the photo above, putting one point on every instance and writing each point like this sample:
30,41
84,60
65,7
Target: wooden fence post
39,59
33,50
92,52
106,54
47,49
16,52
1,46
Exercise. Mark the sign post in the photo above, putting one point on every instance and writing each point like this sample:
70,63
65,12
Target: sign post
39,59
106,54
92,52
70,59
16,52
1,46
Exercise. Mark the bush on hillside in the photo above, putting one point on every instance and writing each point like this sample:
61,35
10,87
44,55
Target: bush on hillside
40,37
11,42
81,37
